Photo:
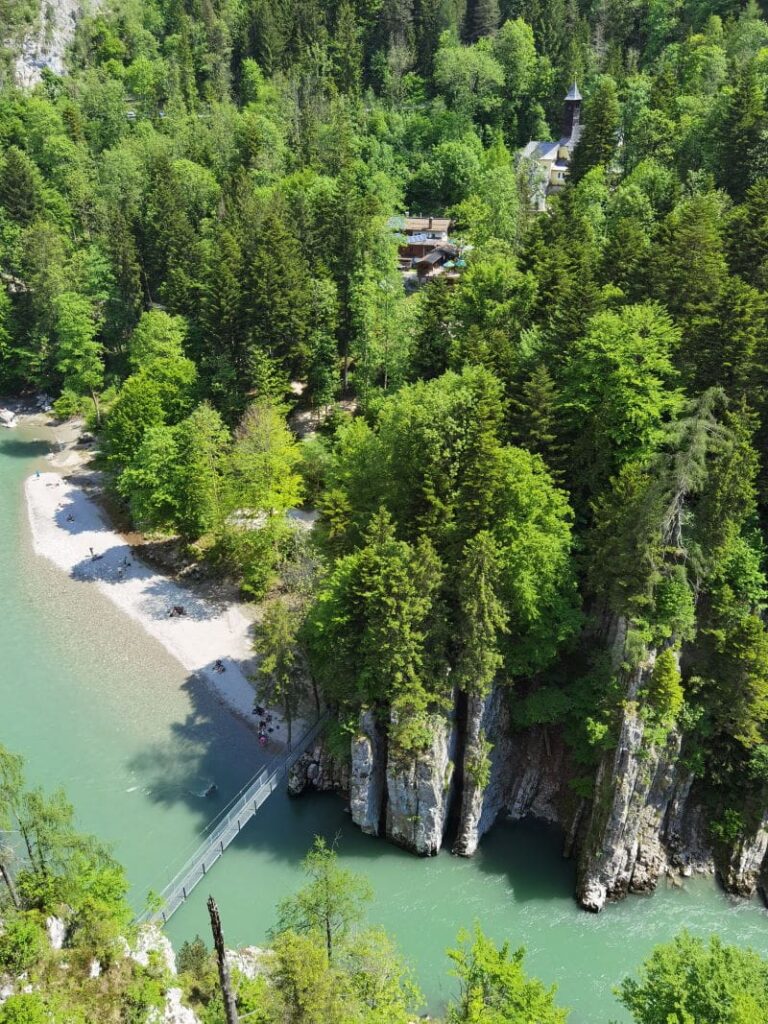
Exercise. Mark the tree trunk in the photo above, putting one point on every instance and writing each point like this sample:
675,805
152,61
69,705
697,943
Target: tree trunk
328,938
5,872
230,1006
96,407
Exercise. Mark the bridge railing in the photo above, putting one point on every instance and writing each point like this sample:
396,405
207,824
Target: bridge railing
225,828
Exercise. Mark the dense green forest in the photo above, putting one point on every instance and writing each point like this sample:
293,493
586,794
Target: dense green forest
325,964
196,255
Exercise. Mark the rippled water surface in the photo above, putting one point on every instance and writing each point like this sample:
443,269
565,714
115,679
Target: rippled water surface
97,707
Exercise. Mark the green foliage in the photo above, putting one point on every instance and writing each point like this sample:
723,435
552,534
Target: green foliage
368,632
495,988
24,1009
203,442
330,905
601,119
483,617
193,957
279,665
692,980
195,248
22,943
665,692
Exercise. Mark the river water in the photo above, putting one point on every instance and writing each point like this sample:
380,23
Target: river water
97,707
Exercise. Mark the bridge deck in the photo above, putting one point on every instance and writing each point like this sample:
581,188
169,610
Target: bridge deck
225,830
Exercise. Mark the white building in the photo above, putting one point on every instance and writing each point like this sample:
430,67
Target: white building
550,160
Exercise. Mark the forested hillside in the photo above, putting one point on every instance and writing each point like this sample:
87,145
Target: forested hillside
538,580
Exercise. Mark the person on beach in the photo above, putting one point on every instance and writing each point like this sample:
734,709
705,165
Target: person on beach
219,665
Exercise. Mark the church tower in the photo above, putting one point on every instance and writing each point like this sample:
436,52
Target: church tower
571,126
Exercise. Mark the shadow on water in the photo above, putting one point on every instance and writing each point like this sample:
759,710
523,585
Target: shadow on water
524,857
528,854
181,770
17,449
184,766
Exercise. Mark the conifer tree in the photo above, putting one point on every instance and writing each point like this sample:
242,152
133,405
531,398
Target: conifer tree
534,417
79,352
745,115
203,448
432,342
347,50
19,186
482,616
482,19
600,132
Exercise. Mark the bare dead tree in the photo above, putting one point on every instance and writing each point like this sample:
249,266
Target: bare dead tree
230,1006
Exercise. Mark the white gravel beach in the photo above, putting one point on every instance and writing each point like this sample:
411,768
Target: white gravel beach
69,529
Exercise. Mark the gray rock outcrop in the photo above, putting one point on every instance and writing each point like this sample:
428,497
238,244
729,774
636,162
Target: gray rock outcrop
46,45
368,774
418,793
319,770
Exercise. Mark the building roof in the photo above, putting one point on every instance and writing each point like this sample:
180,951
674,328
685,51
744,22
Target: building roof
573,93
542,150
441,252
427,224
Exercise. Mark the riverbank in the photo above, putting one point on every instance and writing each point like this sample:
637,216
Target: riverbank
71,530
211,639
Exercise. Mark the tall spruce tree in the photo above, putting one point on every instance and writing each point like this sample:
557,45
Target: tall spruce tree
600,132
482,19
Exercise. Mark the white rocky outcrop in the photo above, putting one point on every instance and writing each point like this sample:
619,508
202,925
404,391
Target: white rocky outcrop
57,932
248,960
367,774
174,1012
473,794
419,790
46,45
151,940
636,786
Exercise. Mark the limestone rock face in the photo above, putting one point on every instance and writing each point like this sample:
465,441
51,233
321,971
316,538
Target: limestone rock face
418,793
317,769
368,774
174,1012
473,793
744,870
57,932
45,47
249,960
151,940
636,786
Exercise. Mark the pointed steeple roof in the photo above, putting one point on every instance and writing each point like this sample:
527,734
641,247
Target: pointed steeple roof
573,93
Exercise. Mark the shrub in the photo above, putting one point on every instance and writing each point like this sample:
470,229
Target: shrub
22,943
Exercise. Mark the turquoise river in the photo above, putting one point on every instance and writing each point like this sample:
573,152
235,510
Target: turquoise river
97,707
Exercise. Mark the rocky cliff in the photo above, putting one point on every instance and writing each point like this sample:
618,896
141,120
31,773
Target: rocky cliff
645,819
46,44
419,792
635,785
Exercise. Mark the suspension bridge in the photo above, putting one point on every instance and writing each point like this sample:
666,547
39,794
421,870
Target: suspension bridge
225,828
